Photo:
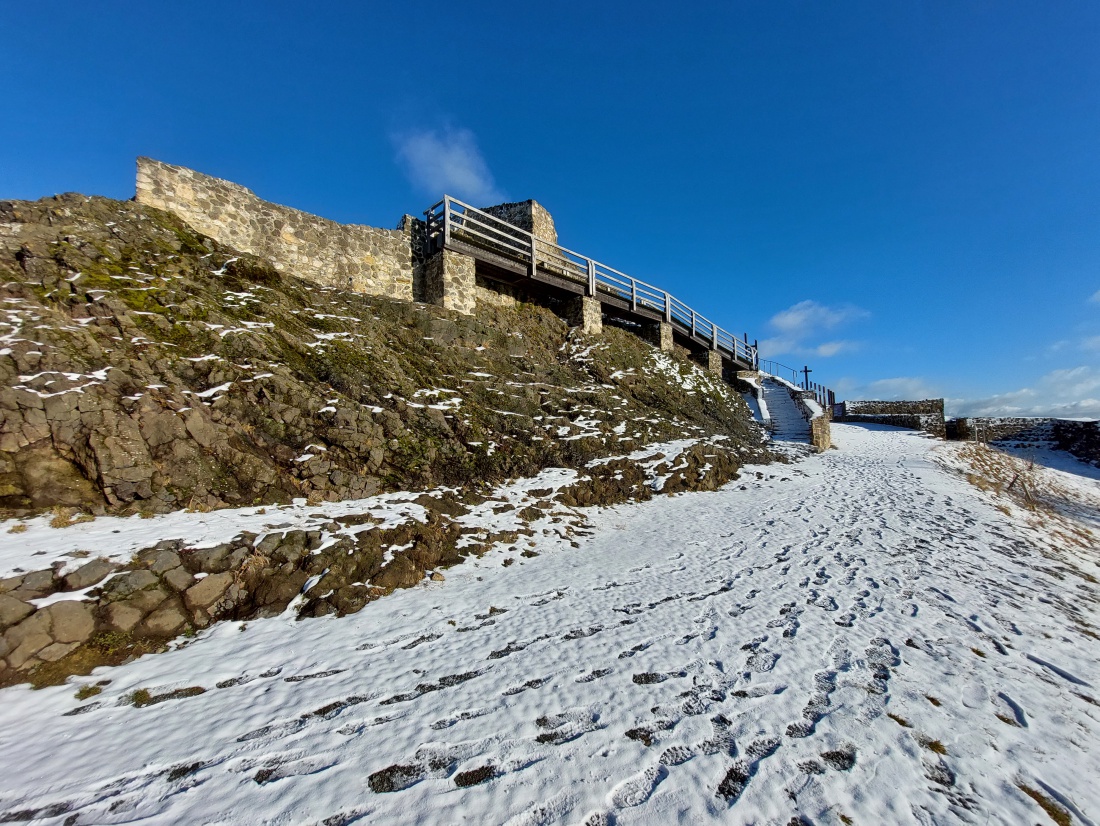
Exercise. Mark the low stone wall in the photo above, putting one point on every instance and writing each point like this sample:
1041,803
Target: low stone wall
1082,439
1079,438
926,414
383,262
994,429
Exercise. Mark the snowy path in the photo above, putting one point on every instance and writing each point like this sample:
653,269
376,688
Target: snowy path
858,637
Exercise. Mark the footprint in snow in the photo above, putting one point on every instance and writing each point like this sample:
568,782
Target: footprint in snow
276,769
642,646
593,675
461,716
566,726
538,682
737,777
637,790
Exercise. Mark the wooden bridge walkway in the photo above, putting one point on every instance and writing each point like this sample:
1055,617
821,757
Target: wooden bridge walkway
507,253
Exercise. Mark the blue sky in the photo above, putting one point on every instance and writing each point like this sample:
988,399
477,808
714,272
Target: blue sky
904,195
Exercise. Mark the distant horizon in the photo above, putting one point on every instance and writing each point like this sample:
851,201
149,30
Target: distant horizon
904,196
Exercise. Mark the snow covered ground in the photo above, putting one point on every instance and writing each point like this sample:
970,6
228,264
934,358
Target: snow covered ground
860,637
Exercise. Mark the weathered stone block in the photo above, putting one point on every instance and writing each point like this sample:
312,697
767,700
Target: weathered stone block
122,616
126,584
52,653
70,621
208,591
713,363
13,611
28,638
178,579
88,574
166,620
164,561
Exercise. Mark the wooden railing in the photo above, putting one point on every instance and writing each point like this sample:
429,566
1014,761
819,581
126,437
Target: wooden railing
452,220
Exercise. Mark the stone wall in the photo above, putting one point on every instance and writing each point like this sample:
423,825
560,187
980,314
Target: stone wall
1082,439
926,414
348,256
1079,438
496,294
528,215
993,429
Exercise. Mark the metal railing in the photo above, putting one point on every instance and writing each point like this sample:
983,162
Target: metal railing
800,378
451,219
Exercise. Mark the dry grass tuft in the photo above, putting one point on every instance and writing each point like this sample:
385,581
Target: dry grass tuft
63,517
254,563
1053,810
18,528
901,721
932,745
934,701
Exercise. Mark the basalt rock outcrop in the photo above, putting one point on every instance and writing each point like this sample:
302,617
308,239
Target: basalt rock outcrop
146,368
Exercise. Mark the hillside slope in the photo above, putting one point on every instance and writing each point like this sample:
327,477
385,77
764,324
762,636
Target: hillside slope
146,368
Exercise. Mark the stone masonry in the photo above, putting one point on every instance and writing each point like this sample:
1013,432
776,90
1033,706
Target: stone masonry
529,215
450,282
587,313
348,256
926,415
659,333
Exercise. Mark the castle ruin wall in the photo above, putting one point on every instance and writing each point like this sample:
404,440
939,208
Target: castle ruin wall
383,262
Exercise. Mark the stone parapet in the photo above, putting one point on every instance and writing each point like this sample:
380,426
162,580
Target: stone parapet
347,256
713,362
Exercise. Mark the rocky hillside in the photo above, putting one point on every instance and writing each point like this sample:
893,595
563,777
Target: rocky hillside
146,368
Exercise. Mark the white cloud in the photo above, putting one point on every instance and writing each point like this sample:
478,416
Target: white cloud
447,161
1095,297
1072,393
800,328
1091,343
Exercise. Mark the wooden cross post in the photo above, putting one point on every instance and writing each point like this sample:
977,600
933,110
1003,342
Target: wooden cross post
806,377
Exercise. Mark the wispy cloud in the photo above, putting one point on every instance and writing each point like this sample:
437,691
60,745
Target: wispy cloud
804,329
1095,297
447,161
1072,393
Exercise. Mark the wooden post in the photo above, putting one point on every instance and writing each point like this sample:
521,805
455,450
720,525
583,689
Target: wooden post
806,377
591,277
